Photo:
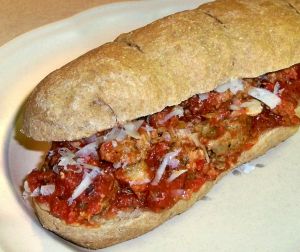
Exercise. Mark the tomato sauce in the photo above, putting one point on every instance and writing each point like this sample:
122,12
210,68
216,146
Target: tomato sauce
211,119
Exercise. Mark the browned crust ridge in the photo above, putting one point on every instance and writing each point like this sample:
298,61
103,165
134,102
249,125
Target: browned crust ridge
162,64
117,230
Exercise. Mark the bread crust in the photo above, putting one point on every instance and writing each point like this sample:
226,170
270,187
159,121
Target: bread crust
118,229
159,65
163,64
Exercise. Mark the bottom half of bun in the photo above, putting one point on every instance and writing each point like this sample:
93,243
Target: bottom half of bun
119,229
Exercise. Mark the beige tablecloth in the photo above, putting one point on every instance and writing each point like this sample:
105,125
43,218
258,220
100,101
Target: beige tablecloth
19,16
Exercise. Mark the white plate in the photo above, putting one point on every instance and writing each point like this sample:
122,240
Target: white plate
255,212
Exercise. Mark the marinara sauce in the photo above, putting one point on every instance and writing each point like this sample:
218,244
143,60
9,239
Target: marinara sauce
203,137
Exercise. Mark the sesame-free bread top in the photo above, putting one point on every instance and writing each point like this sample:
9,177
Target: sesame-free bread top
162,64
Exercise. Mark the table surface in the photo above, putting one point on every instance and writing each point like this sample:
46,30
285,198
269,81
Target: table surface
20,16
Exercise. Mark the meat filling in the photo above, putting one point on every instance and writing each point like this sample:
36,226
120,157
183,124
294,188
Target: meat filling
162,158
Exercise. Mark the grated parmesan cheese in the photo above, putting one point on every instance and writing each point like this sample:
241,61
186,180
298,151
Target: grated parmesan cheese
67,157
46,190
234,85
132,128
276,88
161,169
89,149
173,163
175,174
84,184
203,96
253,107
36,192
177,111
265,96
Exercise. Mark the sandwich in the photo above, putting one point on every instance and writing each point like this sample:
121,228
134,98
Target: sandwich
144,126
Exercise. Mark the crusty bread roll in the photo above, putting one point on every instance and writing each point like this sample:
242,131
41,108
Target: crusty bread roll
162,64
159,65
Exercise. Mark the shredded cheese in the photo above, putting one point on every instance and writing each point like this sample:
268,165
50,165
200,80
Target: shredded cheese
119,134
26,186
84,184
175,174
265,96
207,159
67,157
276,88
132,128
46,190
26,192
253,107
70,158
161,169
114,143
234,85
203,96
177,111
115,134
89,149
36,192
173,163
148,128
43,190
81,162
91,139
56,169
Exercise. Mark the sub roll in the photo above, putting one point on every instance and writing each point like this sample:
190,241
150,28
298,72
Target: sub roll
144,126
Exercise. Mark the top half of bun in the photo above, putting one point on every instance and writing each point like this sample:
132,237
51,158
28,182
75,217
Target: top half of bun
162,64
